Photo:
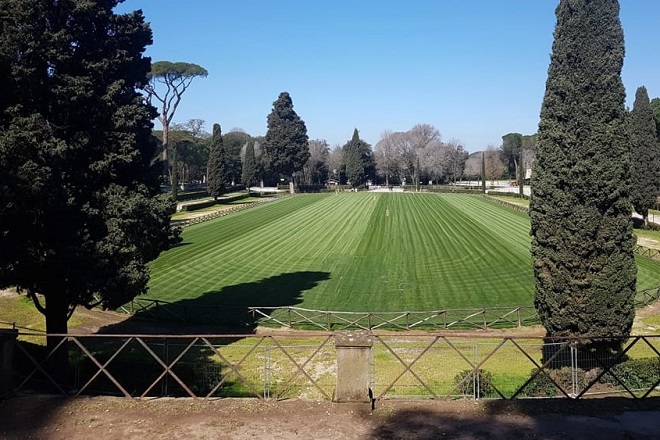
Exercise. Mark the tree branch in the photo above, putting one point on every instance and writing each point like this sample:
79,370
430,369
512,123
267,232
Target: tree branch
33,296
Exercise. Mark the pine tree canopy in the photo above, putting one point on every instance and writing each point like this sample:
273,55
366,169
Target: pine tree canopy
580,210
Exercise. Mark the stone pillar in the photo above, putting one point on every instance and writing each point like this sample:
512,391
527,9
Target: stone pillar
7,341
354,355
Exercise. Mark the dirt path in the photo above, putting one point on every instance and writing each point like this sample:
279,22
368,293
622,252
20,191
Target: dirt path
45,417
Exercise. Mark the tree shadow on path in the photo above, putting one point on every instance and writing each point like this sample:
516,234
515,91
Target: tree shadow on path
558,419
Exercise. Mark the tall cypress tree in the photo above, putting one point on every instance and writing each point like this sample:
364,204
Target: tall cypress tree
217,165
286,139
249,174
655,106
580,210
645,155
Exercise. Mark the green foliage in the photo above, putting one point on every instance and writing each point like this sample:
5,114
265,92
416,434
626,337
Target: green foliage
286,138
167,81
655,106
545,383
512,144
635,373
80,210
234,142
540,386
249,176
580,209
478,384
177,71
358,160
217,166
645,155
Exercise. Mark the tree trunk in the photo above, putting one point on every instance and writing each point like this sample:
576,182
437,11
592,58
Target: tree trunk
56,324
175,173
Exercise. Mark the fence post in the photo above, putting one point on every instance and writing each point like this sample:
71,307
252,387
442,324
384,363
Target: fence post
354,354
7,341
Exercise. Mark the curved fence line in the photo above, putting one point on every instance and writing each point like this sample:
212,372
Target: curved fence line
221,213
302,318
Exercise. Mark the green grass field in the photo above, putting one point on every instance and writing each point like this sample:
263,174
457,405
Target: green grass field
358,252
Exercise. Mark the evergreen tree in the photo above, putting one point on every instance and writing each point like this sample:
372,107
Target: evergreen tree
80,210
655,106
358,160
286,139
217,167
249,176
580,210
645,155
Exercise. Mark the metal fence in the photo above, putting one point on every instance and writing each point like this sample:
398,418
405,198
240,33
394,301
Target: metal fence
304,365
301,318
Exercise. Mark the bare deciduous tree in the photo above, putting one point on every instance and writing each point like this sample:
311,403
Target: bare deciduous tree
315,169
494,167
334,161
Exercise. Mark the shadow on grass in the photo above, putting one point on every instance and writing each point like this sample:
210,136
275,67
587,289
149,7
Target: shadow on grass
225,310
136,363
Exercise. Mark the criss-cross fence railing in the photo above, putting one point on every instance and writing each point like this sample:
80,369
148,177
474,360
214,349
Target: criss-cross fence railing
653,254
302,318
304,365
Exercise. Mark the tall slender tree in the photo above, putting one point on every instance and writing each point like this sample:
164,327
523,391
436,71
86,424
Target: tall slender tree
80,210
217,167
645,155
286,139
580,210
655,106
249,172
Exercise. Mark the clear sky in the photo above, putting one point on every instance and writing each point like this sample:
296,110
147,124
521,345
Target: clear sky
475,69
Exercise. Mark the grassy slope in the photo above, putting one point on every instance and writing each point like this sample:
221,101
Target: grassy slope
363,252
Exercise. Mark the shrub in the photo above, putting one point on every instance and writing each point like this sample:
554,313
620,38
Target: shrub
634,373
478,384
540,385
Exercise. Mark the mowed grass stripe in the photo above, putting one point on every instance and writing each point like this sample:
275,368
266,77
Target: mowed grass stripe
297,241
430,253
209,249
362,252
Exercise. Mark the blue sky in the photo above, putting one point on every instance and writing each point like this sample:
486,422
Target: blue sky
475,69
